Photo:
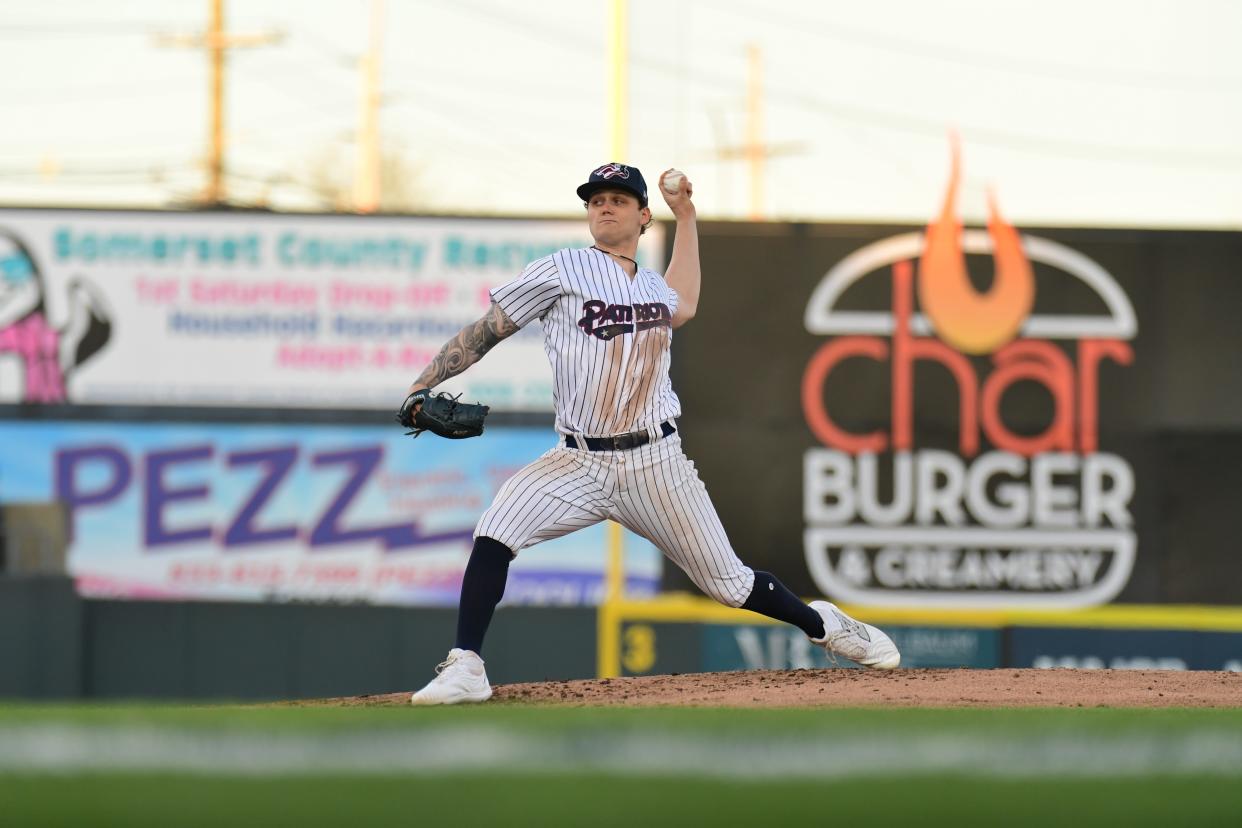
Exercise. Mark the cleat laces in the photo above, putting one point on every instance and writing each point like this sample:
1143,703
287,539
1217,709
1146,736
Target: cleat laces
447,663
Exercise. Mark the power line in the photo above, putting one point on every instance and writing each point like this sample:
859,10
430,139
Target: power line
326,48
550,33
548,88
1225,160
148,154
113,177
336,76
895,121
304,102
979,59
87,97
104,28
1012,140
93,145
91,169
450,115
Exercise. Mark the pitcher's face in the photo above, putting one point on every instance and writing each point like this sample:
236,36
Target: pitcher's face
614,216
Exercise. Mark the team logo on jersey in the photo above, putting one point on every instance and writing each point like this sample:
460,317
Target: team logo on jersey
605,321
613,170
1014,508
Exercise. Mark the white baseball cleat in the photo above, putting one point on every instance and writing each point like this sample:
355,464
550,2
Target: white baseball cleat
459,678
855,640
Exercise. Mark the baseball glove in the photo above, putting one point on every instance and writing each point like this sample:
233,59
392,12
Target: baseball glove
441,414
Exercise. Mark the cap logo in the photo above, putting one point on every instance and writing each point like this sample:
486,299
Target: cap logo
613,170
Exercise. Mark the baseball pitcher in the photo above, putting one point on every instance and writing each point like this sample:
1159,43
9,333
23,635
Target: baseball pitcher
607,328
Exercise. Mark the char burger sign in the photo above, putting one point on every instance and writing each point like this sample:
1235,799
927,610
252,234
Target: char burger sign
1007,516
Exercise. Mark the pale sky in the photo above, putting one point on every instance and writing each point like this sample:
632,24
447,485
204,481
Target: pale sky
1091,112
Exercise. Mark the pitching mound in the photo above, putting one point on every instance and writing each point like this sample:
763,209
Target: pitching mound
900,688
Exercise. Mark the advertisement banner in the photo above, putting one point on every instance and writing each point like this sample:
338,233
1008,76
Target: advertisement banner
253,309
648,648
1004,514
315,513
785,648
1096,649
971,417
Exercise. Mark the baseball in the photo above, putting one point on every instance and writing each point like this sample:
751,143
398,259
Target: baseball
672,181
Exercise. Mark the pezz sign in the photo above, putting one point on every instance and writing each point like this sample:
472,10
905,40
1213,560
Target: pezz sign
94,476
1004,517
268,512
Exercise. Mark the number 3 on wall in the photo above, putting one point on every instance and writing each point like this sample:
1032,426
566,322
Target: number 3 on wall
639,648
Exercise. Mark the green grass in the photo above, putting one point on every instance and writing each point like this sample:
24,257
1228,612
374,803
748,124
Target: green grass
520,788
545,717
161,801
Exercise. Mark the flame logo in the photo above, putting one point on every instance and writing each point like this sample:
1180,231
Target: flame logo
970,321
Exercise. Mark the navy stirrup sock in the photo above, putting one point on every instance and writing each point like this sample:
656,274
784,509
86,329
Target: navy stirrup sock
482,587
772,598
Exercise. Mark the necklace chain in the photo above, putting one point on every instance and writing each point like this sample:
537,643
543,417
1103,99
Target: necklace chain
618,255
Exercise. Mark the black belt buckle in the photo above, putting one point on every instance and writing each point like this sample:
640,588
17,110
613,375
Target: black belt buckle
634,439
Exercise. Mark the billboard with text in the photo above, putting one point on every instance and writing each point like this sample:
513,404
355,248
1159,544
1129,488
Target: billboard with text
1004,514
315,513
979,417
241,309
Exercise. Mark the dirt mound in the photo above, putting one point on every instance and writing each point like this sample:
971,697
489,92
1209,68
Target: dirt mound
900,688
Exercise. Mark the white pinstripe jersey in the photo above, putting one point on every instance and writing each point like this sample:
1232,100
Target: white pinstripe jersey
606,335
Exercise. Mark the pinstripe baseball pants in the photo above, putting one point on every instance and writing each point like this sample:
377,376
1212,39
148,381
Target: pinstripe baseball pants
653,490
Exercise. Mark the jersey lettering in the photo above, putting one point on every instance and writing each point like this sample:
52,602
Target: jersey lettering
582,299
604,321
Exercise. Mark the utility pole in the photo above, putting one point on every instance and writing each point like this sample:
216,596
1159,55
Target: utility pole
755,151
367,175
217,42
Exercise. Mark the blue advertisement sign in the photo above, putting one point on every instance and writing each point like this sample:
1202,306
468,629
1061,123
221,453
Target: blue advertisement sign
278,512
769,647
1125,649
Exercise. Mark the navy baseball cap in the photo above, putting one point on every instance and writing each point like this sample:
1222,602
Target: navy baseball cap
615,175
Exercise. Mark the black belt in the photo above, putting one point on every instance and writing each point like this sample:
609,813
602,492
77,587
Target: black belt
621,442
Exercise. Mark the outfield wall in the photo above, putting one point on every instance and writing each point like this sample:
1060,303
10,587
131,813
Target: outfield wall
653,648
687,633
55,644
195,412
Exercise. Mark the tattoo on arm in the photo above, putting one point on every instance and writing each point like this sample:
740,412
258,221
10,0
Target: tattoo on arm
468,347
